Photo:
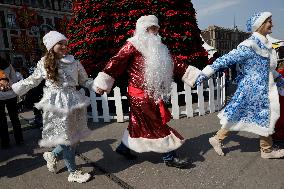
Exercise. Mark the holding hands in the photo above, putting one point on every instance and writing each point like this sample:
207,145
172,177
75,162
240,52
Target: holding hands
4,85
99,91
200,79
4,82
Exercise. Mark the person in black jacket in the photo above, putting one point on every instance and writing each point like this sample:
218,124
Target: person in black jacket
9,99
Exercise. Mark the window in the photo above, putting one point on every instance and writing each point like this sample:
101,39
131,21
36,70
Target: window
66,5
9,1
48,21
2,20
34,3
18,2
40,4
48,4
26,2
5,38
11,21
17,62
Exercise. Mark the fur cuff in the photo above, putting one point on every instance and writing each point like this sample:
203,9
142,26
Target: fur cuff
208,71
103,81
191,75
19,89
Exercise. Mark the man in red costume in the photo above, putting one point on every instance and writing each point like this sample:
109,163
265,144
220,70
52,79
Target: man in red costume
150,70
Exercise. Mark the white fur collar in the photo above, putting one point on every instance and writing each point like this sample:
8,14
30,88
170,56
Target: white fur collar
67,59
253,45
263,40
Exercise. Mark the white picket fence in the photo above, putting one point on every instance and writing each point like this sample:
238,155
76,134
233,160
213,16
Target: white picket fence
215,102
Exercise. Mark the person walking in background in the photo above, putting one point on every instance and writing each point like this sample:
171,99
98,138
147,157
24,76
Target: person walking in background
8,99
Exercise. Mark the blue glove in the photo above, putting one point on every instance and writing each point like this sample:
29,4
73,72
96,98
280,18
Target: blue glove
200,79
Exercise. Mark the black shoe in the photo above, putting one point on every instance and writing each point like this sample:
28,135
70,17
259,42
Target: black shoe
176,162
126,154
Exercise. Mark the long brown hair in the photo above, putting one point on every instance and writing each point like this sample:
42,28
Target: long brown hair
51,66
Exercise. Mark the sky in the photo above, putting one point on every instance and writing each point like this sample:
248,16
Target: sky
222,13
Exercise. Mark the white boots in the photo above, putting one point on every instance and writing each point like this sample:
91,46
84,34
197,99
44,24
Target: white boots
79,176
216,144
51,161
274,154
76,176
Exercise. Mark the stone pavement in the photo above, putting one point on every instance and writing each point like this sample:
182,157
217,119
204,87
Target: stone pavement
24,168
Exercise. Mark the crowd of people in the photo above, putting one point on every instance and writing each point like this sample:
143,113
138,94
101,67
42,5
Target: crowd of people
150,67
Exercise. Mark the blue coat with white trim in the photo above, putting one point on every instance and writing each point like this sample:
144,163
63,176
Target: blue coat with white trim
255,104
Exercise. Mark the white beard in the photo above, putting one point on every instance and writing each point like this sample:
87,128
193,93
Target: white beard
158,66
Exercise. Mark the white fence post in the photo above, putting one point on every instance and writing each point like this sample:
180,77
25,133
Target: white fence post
200,99
188,100
105,108
213,104
218,92
223,78
211,96
174,101
95,114
118,104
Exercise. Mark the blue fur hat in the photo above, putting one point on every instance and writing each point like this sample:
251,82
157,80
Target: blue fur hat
256,20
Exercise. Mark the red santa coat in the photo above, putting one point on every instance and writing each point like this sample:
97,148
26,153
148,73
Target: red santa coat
146,131
279,126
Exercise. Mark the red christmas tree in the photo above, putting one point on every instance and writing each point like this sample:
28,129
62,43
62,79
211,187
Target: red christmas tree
99,28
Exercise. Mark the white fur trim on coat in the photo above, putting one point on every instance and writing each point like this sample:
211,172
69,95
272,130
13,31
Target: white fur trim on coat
57,140
208,71
103,81
160,145
253,128
52,108
191,75
254,46
251,44
19,89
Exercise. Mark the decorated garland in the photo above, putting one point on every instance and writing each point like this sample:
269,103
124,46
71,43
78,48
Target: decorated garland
26,17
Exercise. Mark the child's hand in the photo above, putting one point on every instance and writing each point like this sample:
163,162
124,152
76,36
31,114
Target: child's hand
4,85
100,91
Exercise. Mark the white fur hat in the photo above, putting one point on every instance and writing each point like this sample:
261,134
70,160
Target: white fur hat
51,38
256,20
145,22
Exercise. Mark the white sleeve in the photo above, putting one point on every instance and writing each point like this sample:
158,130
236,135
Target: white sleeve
83,78
23,86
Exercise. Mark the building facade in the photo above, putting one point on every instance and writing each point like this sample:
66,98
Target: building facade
23,24
224,39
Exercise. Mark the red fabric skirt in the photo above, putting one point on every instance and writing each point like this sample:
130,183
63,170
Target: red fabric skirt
146,119
279,127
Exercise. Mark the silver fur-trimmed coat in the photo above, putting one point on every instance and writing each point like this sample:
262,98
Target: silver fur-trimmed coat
64,108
